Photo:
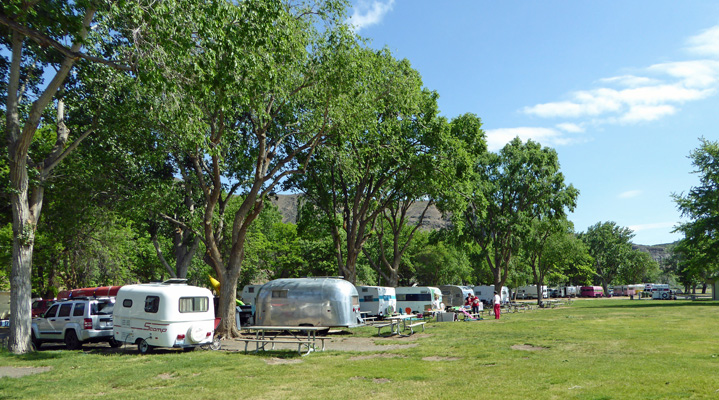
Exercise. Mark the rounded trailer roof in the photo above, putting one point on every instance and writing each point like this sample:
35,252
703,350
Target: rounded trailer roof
171,289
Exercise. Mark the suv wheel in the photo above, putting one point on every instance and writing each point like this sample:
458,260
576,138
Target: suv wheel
35,341
143,347
71,340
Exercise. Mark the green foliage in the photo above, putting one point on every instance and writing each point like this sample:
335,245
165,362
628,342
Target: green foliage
440,264
5,256
610,247
699,250
640,267
518,185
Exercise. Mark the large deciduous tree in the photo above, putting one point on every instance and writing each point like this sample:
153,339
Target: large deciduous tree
246,91
610,246
352,179
40,35
514,187
700,246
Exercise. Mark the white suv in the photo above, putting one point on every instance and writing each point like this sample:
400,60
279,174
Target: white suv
75,322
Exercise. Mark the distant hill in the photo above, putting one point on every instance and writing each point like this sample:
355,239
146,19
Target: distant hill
658,252
287,205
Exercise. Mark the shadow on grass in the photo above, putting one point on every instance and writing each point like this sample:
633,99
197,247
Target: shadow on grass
32,356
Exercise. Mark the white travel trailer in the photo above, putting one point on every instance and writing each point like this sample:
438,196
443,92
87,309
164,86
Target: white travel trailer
486,294
379,301
419,298
662,291
167,314
329,302
454,295
530,292
249,293
568,291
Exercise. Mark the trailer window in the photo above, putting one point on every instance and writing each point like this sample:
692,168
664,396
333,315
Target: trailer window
127,303
194,304
152,304
355,301
416,297
279,294
368,298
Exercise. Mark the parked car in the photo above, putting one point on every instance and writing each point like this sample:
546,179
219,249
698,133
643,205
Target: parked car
40,306
76,322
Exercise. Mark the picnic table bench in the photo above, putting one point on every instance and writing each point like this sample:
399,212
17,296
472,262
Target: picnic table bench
305,337
392,325
412,326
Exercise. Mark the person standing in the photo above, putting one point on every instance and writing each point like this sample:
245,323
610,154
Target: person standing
497,305
475,305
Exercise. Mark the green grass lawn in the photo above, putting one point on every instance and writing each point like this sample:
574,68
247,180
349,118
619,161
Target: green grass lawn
594,349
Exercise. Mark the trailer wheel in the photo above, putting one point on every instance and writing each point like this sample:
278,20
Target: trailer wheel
664,296
114,343
143,347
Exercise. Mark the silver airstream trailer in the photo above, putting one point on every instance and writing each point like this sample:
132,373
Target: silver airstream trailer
454,295
329,302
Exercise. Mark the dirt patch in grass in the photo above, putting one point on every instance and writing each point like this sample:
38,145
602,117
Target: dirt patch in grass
164,376
437,358
278,361
378,355
340,343
17,372
375,380
527,347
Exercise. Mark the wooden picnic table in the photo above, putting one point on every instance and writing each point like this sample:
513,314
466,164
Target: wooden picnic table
305,337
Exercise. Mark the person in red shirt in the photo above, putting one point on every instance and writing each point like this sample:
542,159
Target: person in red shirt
475,305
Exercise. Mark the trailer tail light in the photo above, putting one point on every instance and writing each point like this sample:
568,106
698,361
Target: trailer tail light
208,334
181,337
88,323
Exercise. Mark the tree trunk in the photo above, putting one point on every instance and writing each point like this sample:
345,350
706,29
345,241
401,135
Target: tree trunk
20,283
228,290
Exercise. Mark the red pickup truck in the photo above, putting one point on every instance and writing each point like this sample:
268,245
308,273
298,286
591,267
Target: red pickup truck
40,306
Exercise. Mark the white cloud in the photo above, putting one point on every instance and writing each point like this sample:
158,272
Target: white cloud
705,43
497,138
650,95
368,13
694,73
629,80
657,225
643,113
570,127
630,194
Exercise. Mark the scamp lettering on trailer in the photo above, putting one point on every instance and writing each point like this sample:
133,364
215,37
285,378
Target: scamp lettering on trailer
167,314
378,301
331,302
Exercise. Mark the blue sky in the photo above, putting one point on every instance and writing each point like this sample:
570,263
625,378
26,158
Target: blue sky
623,90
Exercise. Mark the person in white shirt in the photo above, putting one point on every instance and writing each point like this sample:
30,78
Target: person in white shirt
497,305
